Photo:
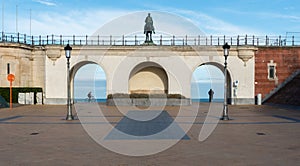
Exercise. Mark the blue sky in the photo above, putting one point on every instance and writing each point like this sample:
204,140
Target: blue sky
235,17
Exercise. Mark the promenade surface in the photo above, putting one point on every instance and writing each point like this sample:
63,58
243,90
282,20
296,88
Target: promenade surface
256,135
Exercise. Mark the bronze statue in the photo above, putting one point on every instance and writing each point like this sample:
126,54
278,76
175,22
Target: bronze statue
148,29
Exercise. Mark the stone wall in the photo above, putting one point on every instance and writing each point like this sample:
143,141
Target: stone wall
286,61
45,67
149,80
26,63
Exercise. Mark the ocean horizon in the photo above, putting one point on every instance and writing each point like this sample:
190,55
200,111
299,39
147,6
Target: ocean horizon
205,100
98,89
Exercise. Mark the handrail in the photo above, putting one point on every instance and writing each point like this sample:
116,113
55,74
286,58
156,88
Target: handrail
125,40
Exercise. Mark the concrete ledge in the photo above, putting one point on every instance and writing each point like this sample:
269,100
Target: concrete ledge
242,101
119,102
148,102
55,101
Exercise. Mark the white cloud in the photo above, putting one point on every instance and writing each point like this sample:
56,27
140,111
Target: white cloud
86,22
215,26
209,80
209,24
164,23
90,72
266,15
281,16
45,2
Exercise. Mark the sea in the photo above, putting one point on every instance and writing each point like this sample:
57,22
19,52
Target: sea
104,100
199,91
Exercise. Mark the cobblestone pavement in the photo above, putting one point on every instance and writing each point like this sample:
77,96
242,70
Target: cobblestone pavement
255,135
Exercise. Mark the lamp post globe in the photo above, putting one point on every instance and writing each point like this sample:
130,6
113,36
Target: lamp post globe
225,116
226,48
68,50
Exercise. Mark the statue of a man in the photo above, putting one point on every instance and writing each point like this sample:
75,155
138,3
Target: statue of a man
149,20
148,28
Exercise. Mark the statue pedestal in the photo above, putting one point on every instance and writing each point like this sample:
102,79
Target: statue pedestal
148,43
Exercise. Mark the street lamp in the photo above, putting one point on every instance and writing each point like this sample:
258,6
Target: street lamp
68,50
226,48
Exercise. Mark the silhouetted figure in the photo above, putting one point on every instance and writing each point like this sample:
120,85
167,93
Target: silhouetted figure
89,95
211,95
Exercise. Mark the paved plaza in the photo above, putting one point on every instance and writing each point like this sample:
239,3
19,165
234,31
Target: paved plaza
256,135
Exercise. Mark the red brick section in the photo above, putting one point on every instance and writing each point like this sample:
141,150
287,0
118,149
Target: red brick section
289,94
287,61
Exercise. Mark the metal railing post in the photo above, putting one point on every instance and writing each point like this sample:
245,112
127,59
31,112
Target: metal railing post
86,39
186,38
52,36
160,41
60,39
73,39
110,40
279,42
173,40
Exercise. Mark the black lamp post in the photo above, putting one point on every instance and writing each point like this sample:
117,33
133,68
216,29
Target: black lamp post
68,50
226,48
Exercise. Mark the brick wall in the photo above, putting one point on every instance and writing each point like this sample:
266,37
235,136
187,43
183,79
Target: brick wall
287,61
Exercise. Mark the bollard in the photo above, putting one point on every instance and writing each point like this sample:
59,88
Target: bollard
259,99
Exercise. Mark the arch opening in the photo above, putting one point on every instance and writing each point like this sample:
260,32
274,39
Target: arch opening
210,76
88,82
148,78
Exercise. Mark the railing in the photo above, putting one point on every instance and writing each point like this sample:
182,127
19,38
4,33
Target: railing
157,39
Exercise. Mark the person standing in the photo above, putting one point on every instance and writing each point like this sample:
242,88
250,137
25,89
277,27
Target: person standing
211,95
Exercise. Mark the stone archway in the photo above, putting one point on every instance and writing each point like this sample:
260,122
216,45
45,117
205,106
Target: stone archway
92,80
148,78
229,79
